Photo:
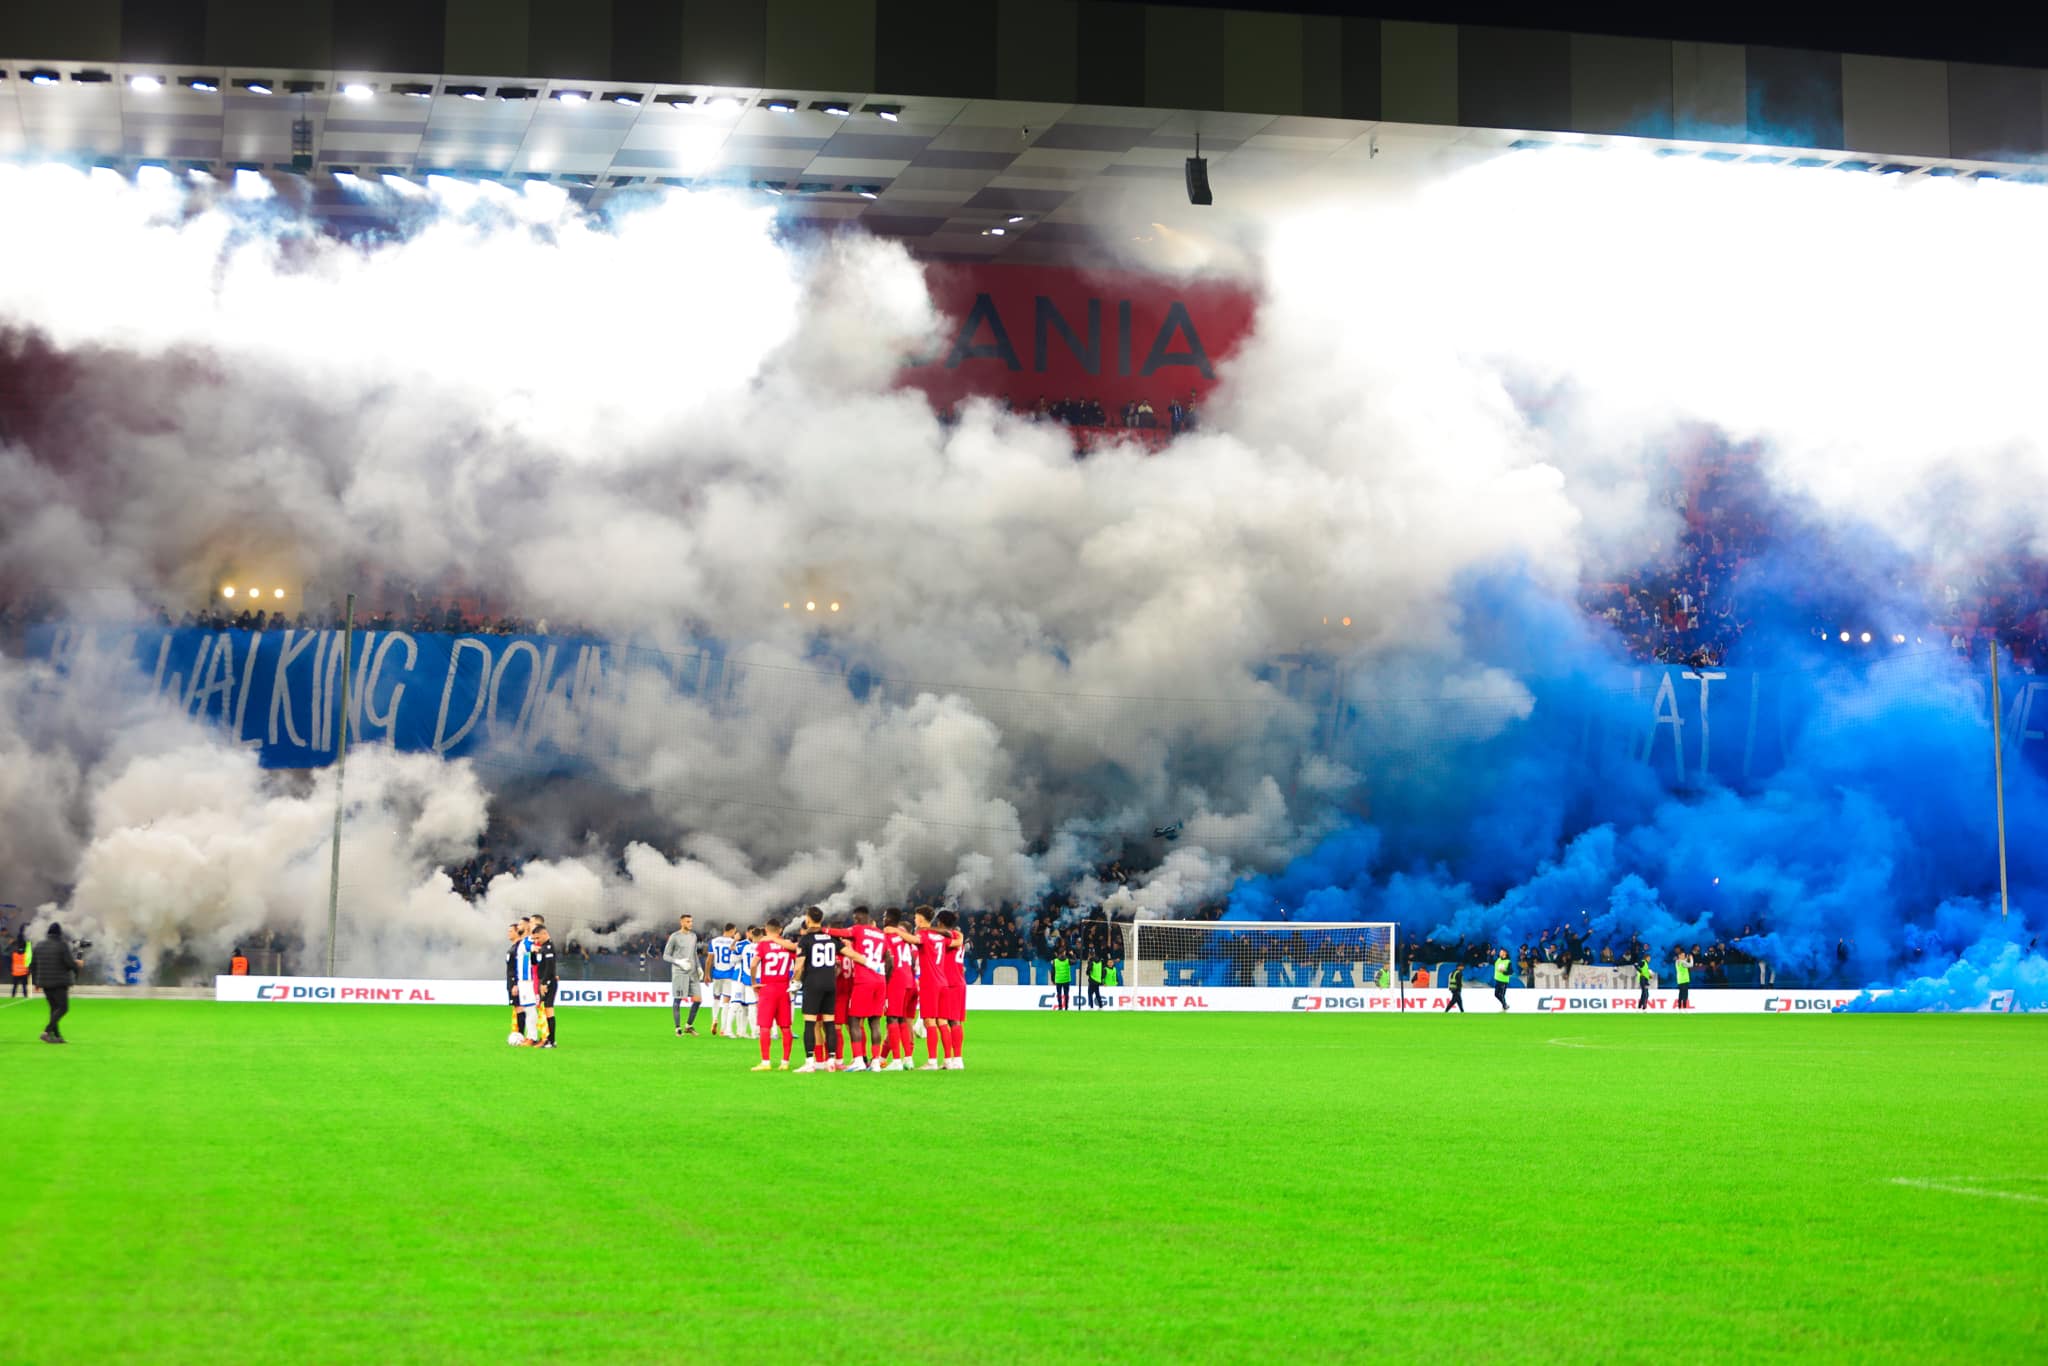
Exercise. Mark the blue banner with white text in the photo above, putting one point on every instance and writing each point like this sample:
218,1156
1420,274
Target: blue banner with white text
559,699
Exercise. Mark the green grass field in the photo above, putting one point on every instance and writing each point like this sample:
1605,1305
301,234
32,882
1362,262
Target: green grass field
192,1181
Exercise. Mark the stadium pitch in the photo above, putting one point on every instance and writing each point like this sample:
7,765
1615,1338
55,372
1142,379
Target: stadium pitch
194,1181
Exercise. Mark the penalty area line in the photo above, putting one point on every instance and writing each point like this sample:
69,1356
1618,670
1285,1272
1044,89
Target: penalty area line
1951,1187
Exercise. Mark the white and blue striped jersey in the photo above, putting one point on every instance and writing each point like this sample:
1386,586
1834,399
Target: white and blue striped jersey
525,959
750,968
725,964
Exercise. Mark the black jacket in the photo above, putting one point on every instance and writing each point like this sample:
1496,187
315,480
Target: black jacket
56,962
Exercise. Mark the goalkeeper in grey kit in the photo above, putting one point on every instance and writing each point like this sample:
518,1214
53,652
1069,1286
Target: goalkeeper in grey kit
685,974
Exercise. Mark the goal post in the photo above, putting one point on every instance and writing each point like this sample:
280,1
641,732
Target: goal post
1286,955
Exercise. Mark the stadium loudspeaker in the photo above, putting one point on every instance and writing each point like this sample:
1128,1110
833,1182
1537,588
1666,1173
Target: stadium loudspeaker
1198,181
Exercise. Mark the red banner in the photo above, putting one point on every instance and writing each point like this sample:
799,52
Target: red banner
1124,346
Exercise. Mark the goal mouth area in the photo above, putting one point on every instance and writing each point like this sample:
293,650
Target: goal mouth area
1281,955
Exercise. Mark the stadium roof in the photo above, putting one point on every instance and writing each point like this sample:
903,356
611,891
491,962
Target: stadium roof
960,178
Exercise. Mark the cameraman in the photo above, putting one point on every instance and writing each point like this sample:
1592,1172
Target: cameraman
56,967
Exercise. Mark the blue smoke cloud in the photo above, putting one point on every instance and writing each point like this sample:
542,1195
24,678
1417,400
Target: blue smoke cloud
1837,822
1999,965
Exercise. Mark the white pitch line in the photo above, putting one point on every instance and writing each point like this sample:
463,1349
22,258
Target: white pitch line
1952,1189
1575,1042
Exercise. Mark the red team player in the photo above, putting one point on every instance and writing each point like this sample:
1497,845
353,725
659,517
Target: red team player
842,1005
901,996
953,971
863,987
934,979
777,959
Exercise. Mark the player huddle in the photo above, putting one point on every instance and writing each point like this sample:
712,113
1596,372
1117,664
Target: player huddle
864,988
870,989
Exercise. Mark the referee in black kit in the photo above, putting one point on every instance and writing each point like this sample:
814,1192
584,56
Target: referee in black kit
545,977
515,936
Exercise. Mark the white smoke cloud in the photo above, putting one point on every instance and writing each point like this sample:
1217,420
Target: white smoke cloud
1787,303
195,851
142,829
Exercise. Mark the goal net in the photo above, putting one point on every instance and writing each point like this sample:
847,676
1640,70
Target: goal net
1252,953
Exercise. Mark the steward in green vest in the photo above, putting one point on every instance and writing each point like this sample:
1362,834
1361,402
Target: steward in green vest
1097,971
1644,975
1457,990
1683,962
1062,979
1501,970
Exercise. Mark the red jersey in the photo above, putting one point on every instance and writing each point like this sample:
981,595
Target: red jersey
954,964
775,965
931,951
867,943
902,962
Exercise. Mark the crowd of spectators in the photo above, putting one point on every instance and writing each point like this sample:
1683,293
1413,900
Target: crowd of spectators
2006,600
452,618
1009,935
473,875
1682,607
1567,946
414,613
1136,414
